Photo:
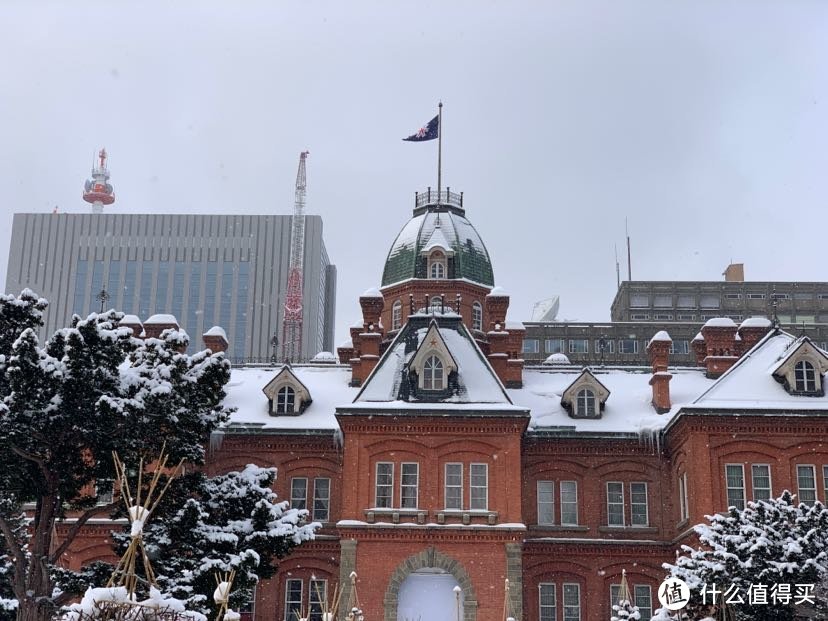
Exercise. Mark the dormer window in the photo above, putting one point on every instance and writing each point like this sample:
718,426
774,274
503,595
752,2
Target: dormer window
285,400
437,265
286,394
433,374
396,315
805,377
585,404
585,397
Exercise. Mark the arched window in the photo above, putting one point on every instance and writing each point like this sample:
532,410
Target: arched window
585,403
396,315
436,304
285,400
805,376
477,316
437,265
433,374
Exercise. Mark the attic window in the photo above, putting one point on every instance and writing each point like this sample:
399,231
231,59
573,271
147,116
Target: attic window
585,403
477,316
805,377
285,400
433,374
437,265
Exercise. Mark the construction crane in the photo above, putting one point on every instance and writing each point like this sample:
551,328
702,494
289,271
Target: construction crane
292,321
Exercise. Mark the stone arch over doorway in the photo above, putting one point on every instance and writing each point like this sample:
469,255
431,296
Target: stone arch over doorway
430,557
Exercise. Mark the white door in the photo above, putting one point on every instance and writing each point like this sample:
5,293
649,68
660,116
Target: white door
428,595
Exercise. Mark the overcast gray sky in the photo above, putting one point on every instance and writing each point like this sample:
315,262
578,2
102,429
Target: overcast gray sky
705,124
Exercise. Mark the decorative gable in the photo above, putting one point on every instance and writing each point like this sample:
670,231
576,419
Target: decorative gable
801,369
433,366
286,395
585,397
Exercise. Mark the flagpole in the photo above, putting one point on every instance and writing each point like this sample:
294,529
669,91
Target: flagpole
439,151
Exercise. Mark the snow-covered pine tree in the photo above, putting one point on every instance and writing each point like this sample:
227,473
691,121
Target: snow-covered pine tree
91,390
206,525
769,542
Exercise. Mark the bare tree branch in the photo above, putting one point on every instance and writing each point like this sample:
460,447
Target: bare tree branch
78,524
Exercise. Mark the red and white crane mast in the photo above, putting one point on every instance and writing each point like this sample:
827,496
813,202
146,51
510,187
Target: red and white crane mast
292,323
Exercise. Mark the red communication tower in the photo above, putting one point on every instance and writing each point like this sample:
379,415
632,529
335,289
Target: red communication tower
97,190
292,323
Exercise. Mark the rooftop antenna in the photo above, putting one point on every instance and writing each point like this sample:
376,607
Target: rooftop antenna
617,268
97,190
629,259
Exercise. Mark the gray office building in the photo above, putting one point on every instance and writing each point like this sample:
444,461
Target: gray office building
206,270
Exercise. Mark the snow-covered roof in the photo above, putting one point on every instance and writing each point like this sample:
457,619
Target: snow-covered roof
216,331
720,322
749,384
558,358
437,240
497,292
371,292
131,320
324,356
327,384
161,318
699,337
628,409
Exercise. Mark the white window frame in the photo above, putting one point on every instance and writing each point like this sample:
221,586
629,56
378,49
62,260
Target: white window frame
646,504
728,487
531,346
285,396
575,350
547,612
409,486
684,507
325,501
549,350
477,316
567,615
289,615
799,468
321,593
809,381
447,487
389,485
753,485
638,594
548,505
472,487
582,404
437,270
568,505
628,353
609,346
297,502
396,315
615,504
434,373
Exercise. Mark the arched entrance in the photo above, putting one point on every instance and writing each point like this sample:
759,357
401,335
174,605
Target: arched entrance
437,572
428,595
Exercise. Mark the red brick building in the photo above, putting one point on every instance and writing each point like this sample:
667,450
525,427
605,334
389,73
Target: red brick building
435,460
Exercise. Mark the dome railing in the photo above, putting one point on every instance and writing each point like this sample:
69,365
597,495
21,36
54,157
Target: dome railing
431,197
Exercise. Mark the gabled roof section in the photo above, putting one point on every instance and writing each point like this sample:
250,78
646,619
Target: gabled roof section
802,347
750,383
283,377
586,379
437,240
475,383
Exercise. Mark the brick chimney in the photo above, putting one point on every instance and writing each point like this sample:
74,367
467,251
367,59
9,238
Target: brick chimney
722,348
133,323
752,330
658,350
497,303
155,325
367,341
215,339
699,349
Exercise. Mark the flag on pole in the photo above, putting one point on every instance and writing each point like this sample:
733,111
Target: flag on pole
428,132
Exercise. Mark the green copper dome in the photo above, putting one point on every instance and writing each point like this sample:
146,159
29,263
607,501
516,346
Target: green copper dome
470,259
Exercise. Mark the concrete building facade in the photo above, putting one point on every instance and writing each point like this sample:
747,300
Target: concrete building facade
227,270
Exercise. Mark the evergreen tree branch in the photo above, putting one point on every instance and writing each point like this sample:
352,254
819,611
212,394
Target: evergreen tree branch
79,523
